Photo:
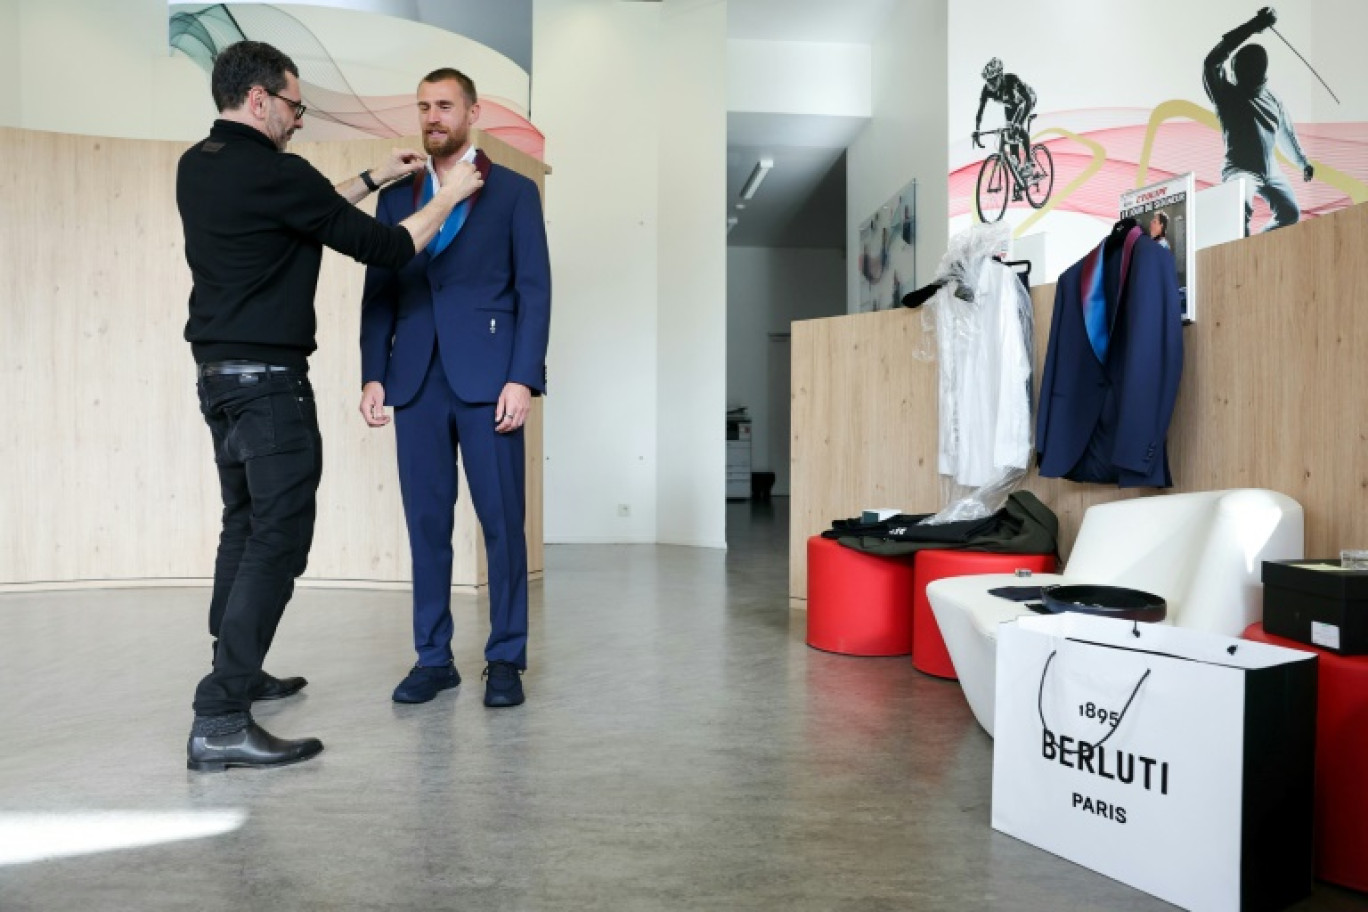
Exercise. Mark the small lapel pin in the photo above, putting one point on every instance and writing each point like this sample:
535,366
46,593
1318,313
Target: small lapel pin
491,326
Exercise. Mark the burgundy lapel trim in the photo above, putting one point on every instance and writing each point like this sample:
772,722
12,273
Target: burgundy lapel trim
482,164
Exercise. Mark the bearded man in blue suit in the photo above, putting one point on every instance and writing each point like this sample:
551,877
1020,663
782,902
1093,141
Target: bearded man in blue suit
455,341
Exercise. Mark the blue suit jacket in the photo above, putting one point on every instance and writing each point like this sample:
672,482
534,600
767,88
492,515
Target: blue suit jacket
1107,423
485,299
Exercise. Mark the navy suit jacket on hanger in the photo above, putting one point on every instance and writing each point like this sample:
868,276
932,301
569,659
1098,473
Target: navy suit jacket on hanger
1106,421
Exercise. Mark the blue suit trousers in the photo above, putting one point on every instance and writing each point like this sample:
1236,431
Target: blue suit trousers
428,431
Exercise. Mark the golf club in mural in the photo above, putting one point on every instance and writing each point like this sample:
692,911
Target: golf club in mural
1305,61
1017,168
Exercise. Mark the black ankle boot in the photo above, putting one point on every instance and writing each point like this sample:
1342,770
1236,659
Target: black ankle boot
218,742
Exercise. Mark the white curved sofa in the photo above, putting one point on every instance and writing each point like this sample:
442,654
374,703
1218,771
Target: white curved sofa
1202,552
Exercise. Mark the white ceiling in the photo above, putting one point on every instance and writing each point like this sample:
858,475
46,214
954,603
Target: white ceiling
829,21
802,202
753,129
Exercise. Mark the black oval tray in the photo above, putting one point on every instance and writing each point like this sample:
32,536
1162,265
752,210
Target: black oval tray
1106,601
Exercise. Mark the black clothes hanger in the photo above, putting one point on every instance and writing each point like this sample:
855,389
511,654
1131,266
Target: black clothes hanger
920,296
1119,232
1022,270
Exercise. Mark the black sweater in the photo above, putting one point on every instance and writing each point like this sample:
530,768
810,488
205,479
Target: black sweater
256,221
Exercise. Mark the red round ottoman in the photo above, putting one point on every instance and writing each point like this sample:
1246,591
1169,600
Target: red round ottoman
1341,762
929,654
858,603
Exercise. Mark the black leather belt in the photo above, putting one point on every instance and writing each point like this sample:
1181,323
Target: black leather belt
222,368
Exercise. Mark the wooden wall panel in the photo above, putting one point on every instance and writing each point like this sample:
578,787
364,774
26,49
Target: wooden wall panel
863,423
108,471
1273,395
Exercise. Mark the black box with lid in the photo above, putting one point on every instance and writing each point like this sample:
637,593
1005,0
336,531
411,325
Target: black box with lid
1317,602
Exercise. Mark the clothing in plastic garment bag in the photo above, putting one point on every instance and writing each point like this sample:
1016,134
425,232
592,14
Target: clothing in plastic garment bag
982,322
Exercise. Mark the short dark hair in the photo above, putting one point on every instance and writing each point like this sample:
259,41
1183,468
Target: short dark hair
467,84
1250,65
1162,216
240,66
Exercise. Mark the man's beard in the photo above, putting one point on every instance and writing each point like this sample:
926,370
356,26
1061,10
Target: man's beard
279,130
443,148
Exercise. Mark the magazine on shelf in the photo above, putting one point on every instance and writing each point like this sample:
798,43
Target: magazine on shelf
1166,212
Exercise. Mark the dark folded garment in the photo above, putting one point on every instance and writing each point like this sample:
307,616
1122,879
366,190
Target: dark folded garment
1023,526
907,527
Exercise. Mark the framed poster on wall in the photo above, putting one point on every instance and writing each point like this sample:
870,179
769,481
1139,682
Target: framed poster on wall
1166,211
887,260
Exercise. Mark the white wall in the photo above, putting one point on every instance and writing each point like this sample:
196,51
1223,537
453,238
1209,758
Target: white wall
602,218
799,77
103,69
9,62
382,55
906,135
61,54
630,98
767,289
692,344
505,26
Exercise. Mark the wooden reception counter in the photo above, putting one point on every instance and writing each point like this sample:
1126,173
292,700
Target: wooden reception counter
1274,395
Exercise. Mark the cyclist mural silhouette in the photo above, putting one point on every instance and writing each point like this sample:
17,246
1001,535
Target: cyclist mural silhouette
1017,167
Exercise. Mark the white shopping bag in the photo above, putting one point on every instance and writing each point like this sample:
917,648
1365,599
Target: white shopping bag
1176,761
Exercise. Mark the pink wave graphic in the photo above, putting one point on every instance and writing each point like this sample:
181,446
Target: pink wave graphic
1179,146
395,115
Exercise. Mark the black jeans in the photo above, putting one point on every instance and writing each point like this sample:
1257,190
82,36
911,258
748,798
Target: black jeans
270,458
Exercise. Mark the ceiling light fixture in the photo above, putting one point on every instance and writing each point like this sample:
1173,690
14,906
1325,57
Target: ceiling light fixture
731,223
762,167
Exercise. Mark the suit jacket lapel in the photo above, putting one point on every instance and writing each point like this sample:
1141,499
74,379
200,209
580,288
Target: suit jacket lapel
482,164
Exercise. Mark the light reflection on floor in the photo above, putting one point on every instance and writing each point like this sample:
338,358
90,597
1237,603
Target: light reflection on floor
37,837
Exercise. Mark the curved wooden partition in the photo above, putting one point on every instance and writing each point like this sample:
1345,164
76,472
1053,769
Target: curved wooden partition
108,474
1274,394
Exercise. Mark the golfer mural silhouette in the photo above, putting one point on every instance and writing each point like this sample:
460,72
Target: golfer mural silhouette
1254,122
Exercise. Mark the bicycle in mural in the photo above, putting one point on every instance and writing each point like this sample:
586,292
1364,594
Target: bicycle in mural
1004,177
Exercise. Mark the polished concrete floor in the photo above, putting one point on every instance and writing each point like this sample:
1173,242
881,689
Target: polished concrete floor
681,749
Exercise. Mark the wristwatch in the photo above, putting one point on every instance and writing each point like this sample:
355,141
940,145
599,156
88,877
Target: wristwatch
369,181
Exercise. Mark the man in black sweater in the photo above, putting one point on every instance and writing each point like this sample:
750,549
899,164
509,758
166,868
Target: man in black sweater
256,220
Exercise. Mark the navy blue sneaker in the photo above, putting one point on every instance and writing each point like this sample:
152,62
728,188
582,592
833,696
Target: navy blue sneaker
423,683
503,684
